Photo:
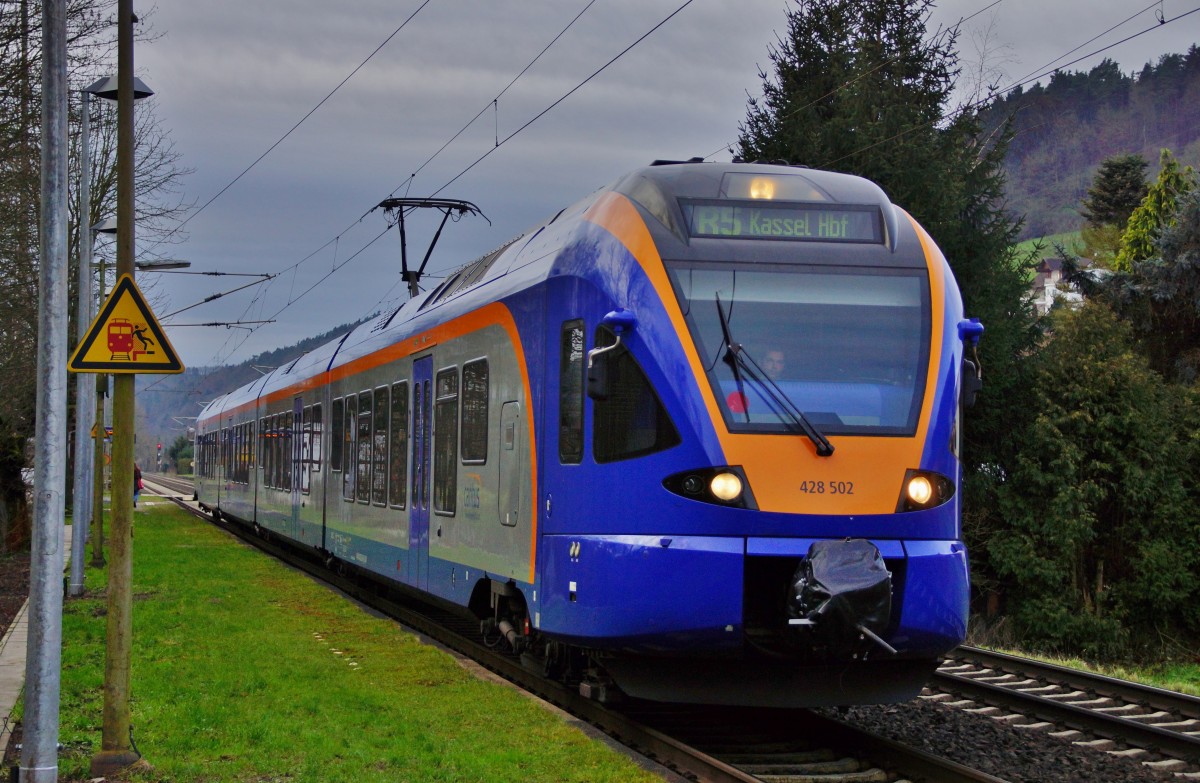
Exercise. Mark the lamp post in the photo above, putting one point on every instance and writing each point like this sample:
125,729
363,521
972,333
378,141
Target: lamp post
106,226
84,418
116,746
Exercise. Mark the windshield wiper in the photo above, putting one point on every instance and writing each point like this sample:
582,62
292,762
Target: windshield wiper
824,447
739,361
731,357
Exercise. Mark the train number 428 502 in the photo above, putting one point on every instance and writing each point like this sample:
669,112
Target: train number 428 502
827,487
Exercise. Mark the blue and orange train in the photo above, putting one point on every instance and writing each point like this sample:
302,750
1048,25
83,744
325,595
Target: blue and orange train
694,438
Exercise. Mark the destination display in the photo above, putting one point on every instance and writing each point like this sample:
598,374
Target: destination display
802,222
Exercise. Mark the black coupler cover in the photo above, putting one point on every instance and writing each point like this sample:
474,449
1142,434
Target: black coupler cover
839,586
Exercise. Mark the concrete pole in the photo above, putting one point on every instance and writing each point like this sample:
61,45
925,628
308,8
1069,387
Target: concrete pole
84,411
116,751
39,751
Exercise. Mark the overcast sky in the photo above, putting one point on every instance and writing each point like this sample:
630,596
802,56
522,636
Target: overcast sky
232,76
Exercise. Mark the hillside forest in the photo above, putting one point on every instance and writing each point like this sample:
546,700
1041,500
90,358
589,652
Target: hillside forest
1062,131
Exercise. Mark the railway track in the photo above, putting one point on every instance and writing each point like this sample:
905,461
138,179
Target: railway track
174,485
694,743
1159,727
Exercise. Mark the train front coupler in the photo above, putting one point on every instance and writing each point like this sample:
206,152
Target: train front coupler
841,599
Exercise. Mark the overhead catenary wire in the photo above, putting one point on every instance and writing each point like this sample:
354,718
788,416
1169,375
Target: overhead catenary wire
337,239
1027,80
468,168
566,95
1040,73
291,130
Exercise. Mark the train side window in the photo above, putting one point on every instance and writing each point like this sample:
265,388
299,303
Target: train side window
277,450
475,412
264,451
264,455
362,454
336,435
247,450
570,393
285,450
445,441
270,432
631,421
398,484
280,451
306,450
349,427
314,450
379,448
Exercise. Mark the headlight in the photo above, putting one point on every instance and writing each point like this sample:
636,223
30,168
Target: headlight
721,485
919,490
923,489
726,486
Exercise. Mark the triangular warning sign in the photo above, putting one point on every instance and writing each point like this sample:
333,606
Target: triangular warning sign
125,337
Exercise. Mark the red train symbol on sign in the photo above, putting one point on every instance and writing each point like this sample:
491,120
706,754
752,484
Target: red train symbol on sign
121,336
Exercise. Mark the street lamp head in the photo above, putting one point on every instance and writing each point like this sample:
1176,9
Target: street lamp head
161,265
106,226
106,88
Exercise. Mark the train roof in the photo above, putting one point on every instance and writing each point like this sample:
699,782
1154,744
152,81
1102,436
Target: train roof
696,179
657,189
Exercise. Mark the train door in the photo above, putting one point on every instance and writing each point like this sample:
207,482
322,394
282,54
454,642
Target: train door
509,496
422,446
562,475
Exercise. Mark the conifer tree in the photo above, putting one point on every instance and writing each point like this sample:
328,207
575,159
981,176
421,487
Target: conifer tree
862,86
1156,212
1117,189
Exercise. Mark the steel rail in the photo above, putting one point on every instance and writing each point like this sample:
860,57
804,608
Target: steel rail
1115,727
1135,692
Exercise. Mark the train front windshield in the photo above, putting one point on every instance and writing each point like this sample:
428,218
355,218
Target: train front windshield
848,347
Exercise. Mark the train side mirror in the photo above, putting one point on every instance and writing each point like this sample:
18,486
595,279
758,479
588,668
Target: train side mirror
969,331
972,382
619,322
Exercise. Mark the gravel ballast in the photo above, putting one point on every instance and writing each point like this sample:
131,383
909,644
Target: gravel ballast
1016,755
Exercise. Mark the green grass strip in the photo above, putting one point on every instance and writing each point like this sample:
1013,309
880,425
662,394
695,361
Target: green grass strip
245,670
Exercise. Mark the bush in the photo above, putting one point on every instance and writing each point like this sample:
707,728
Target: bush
1101,542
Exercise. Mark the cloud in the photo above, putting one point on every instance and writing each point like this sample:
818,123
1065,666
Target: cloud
232,77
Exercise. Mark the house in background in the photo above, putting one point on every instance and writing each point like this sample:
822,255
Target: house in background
1049,284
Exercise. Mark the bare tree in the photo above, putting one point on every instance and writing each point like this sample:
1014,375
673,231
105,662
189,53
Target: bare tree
91,47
